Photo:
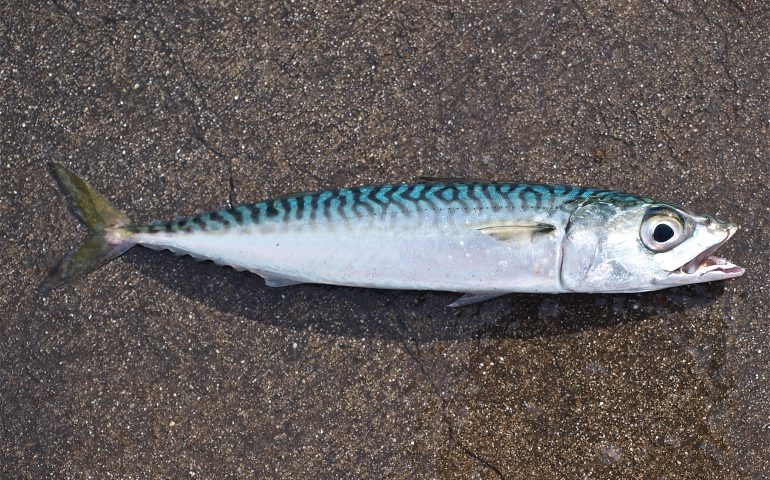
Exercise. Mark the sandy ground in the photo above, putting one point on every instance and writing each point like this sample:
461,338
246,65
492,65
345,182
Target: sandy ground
160,367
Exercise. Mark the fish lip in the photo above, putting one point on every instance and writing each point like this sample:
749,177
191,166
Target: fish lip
706,263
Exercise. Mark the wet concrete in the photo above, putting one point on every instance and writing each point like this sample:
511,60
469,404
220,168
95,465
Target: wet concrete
158,366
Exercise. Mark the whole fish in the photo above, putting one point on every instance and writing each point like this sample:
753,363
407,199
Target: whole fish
482,239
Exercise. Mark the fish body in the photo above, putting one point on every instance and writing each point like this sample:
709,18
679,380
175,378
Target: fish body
482,239
424,236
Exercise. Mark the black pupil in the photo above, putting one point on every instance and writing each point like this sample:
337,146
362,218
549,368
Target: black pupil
662,233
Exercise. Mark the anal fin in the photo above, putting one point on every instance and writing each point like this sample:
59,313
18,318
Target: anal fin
274,281
471,298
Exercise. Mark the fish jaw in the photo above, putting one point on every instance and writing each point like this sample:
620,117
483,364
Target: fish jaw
705,267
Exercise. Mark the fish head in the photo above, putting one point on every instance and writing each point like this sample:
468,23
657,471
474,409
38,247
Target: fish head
620,243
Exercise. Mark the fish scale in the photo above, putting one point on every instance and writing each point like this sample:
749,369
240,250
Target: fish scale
483,239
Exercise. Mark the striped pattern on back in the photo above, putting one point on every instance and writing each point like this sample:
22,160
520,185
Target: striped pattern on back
393,199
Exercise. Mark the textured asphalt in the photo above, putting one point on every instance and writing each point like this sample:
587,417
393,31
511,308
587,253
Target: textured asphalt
160,367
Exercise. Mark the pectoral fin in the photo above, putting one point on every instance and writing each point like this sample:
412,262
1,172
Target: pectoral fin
517,231
471,298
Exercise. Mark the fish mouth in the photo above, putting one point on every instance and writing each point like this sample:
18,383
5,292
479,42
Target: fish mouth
713,265
706,264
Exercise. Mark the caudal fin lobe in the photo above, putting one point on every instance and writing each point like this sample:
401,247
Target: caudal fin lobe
109,237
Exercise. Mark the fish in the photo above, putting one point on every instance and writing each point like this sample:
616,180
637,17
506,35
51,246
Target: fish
477,238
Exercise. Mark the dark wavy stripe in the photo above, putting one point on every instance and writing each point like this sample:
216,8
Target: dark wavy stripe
360,201
200,223
372,196
326,208
286,206
300,210
429,196
216,217
390,200
313,207
343,202
458,197
475,198
486,191
255,213
236,214
271,211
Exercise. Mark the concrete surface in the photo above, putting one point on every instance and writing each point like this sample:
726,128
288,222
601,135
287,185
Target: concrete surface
160,367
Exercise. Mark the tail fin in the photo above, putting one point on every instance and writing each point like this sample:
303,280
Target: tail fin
108,240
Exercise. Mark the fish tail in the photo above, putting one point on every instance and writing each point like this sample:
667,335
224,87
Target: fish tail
110,235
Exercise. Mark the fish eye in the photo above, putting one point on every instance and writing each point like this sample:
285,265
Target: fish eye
662,231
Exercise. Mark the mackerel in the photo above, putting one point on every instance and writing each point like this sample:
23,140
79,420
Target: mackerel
482,239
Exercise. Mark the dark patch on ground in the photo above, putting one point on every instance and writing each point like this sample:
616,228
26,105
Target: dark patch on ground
157,366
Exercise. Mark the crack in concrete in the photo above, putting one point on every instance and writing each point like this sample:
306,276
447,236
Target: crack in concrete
608,133
671,10
177,58
72,16
191,108
116,19
228,163
584,17
6,37
414,354
724,52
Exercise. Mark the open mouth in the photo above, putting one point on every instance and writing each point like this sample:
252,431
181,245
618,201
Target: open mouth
711,263
707,263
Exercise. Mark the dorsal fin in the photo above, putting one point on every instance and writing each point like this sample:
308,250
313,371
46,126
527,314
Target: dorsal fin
431,179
